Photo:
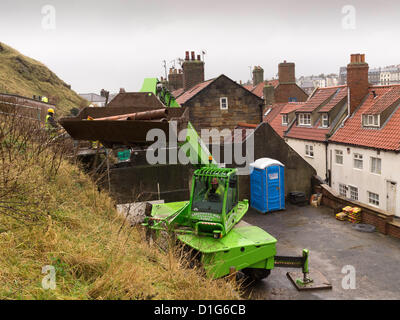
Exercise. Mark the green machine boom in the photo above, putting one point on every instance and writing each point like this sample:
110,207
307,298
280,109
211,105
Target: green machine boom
154,86
211,221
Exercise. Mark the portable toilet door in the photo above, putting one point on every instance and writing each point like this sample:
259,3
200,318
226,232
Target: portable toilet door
267,185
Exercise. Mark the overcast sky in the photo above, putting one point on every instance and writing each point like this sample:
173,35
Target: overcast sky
114,44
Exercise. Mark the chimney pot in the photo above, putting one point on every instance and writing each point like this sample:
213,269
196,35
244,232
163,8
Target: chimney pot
193,73
198,57
187,55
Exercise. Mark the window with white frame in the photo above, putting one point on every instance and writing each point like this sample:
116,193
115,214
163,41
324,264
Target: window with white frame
358,161
285,119
305,119
325,120
353,193
343,190
309,150
376,165
371,120
373,198
223,103
339,156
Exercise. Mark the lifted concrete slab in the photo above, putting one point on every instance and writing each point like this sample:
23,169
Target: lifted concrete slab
319,281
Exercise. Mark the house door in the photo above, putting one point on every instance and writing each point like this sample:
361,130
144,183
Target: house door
391,196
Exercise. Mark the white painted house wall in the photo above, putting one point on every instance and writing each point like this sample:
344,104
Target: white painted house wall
364,179
318,161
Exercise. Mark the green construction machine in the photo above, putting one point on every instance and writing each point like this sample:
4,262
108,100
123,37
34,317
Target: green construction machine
211,221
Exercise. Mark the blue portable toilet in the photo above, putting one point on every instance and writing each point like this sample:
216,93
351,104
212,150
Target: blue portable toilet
267,185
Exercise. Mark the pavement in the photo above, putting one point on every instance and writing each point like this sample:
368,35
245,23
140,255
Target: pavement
334,245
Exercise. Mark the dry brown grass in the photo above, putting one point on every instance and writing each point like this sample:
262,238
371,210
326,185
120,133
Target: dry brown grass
58,217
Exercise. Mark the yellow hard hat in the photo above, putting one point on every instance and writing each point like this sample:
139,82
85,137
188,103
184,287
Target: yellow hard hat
50,110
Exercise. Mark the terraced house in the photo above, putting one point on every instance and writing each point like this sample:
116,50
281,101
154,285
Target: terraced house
351,135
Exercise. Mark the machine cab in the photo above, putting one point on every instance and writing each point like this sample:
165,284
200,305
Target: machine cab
214,200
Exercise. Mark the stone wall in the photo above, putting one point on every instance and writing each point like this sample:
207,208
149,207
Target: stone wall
139,183
205,110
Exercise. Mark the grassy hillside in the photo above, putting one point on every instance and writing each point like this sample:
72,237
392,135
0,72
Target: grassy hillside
27,77
52,214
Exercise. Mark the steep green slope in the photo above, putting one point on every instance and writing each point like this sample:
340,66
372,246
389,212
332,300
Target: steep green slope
27,77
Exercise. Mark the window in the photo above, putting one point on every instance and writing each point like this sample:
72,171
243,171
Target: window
284,119
292,99
343,190
309,151
305,119
353,193
325,120
339,156
373,198
223,103
358,161
371,120
376,165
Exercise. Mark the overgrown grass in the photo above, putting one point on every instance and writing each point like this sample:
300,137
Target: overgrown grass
51,213
22,75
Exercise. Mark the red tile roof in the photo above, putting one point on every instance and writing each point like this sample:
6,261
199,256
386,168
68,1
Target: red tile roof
258,90
319,97
340,95
193,91
274,116
292,106
308,133
276,109
387,137
380,103
176,93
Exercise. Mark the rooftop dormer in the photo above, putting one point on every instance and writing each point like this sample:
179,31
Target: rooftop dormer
381,103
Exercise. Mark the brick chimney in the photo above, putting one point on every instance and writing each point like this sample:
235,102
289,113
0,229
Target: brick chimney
193,71
258,75
175,79
286,72
357,80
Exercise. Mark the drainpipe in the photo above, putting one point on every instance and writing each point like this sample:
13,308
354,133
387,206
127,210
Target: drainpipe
327,175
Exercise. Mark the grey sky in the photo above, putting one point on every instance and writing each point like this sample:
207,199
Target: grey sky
113,44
